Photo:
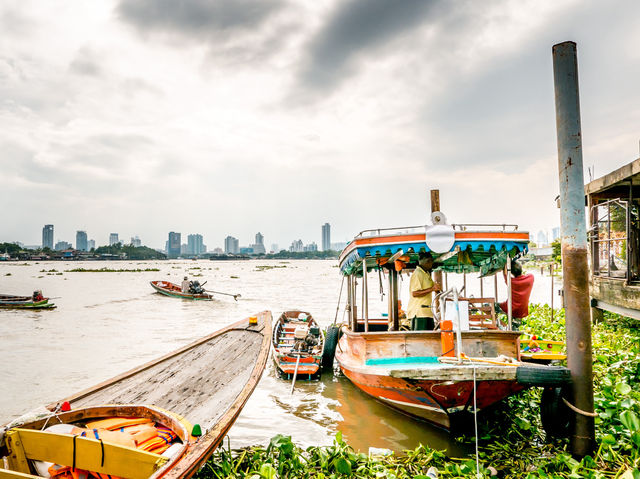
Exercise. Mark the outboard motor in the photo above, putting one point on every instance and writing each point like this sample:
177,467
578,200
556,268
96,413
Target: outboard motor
195,287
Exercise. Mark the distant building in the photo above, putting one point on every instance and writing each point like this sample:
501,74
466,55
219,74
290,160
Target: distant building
326,237
555,234
338,246
274,248
231,245
310,247
47,236
91,244
217,251
195,245
542,239
135,241
246,250
81,241
62,245
173,245
296,246
258,246
113,239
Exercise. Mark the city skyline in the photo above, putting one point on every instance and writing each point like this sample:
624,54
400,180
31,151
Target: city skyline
317,108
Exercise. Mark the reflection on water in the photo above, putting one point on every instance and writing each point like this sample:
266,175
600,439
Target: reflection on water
107,323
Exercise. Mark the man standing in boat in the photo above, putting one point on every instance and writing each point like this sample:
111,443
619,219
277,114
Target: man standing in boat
521,286
421,285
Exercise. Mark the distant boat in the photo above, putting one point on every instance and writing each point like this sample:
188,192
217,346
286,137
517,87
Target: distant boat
298,345
9,301
170,289
186,400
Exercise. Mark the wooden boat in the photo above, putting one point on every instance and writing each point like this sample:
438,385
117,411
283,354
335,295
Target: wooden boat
541,351
8,301
298,345
197,392
170,289
426,374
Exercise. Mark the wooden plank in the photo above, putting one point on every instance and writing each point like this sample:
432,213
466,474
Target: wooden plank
17,457
118,460
6,474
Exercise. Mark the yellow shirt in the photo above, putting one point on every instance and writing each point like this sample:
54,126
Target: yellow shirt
420,279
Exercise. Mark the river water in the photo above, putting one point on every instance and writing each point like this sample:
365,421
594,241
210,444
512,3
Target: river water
109,322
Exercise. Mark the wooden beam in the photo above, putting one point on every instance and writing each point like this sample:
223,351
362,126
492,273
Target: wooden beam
435,200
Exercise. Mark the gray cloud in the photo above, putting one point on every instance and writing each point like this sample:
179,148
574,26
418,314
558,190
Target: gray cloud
85,63
196,18
357,27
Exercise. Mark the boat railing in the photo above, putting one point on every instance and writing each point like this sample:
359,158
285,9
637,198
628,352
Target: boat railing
403,230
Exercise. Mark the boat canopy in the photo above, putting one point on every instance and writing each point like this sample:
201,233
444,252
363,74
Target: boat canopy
471,248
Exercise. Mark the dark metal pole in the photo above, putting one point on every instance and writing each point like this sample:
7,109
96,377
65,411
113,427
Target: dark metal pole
574,242
394,320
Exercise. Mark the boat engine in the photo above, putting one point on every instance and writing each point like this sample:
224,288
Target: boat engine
306,338
195,287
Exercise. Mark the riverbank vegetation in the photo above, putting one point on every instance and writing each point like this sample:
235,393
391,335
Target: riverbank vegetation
512,443
110,270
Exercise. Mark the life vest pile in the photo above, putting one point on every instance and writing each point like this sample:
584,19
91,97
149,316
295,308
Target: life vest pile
138,433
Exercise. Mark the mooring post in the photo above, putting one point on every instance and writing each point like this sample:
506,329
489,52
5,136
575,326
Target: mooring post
574,242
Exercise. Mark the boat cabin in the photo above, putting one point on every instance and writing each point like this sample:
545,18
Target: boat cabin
458,248
614,238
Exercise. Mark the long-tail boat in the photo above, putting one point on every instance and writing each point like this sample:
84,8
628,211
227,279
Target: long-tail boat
9,301
186,400
427,374
298,344
171,289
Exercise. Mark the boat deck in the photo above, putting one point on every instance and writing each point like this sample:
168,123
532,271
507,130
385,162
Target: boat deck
201,383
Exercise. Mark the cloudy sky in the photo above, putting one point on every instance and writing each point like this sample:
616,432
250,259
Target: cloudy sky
230,117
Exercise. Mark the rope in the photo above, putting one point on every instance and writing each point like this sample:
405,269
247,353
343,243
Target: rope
579,411
475,423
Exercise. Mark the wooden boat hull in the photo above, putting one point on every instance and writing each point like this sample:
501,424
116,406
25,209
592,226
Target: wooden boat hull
173,290
310,364
419,385
206,382
24,302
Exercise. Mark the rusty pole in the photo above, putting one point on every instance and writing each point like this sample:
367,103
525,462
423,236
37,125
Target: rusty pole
574,242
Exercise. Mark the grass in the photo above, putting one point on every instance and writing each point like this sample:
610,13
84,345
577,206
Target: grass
512,442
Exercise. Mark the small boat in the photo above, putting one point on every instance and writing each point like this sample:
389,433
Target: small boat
8,301
298,345
186,400
469,361
539,350
170,289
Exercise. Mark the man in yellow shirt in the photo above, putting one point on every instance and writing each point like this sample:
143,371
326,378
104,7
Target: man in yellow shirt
421,286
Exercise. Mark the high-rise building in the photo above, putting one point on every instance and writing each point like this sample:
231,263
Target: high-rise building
274,248
47,236
113,239
310,247
258,246
135,241
62,245
81,241
195,244
296,246
542,238
173,245
326,237
555,233
91,244
231,245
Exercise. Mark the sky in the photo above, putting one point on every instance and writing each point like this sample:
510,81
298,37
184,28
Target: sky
230,117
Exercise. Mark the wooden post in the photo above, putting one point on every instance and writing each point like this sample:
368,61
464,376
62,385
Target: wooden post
437,275
394,319
365,295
